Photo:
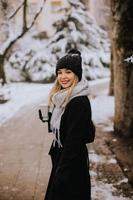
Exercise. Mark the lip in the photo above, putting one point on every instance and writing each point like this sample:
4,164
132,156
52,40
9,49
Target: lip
64,82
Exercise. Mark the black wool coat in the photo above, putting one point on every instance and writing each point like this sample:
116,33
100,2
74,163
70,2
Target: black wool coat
69,178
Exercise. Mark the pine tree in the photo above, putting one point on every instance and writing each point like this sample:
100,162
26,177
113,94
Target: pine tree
77,29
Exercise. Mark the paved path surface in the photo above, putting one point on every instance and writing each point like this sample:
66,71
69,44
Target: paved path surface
25,165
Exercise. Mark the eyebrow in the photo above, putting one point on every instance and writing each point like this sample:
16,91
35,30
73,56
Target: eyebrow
64,69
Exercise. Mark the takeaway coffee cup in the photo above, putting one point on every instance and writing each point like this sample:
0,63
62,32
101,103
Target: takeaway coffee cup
43,112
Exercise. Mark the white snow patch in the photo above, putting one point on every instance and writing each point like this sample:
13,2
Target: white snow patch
105,191
112,161
125,180
103,109
95,158
114,140
22,94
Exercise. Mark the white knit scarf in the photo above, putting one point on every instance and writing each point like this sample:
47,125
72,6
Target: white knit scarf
81,89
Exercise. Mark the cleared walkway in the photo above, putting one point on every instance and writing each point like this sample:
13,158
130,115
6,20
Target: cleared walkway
24,162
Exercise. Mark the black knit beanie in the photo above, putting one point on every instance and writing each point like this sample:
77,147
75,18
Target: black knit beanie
73,61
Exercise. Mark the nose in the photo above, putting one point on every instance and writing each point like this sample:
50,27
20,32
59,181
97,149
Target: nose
63,75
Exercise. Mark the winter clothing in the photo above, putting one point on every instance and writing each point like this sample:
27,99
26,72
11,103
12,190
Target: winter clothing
70,179
82,88
72,61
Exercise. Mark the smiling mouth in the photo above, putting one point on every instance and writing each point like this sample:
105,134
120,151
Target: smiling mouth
64,82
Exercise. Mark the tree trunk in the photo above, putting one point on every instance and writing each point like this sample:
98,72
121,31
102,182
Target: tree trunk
25,16
111,85
85,2
2,72
122,44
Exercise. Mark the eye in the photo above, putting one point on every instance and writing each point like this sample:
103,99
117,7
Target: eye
68,71
59,72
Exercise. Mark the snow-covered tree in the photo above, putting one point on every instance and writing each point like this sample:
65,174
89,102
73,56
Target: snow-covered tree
77,29
9,13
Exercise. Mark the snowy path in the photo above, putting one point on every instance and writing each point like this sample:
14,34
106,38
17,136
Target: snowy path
24,143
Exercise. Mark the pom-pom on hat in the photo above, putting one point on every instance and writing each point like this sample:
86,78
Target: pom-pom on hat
73,61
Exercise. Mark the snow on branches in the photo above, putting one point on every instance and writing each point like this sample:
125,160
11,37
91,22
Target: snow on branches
129,60
76,29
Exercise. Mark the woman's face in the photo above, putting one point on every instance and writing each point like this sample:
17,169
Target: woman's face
65,77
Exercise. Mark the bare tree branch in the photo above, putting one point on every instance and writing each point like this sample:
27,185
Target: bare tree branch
35,17
25,29
25,15
16,11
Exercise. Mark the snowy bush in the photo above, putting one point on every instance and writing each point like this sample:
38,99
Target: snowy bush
77,29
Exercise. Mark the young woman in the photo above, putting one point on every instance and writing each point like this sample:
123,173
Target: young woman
72,125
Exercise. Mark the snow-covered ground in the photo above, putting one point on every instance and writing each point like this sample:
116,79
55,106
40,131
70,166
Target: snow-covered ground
103,110
22,94
30,93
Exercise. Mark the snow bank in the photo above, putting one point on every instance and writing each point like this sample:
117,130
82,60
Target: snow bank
22,94
103,110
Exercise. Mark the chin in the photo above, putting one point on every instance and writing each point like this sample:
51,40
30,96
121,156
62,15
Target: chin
65,86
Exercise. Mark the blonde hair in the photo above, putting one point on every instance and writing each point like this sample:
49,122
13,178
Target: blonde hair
57,88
